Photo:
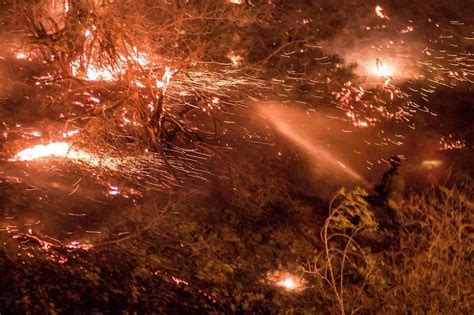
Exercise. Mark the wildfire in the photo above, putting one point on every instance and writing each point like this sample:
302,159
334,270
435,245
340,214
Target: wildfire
450,143
78,245
235,59
165,80
382,69
288,283
21,56
70,133
64,150
91,67
67,6
285,280
431,164
379,12
93,72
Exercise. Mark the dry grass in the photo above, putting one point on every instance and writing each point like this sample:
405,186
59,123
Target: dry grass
424,267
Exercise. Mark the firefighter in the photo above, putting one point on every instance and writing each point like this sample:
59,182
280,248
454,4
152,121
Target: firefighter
392,189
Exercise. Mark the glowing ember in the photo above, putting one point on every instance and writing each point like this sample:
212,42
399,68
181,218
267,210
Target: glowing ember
288,283
165,80
59,149
66,151
21,56
70,133
286,280
380,14
431,164
235,59
382,69
93,72
90,67
449,143
179,281
114,190
78,245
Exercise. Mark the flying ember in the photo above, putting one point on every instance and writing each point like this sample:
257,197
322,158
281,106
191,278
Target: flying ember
382,69
288,283
236,156
379,12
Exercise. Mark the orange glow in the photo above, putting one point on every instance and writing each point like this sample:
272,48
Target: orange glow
286,280
319,152
70,133
59,149
21,56
88,68
381,69
66,151
288,283
235,59
93,72
450,143
379,12
431,164
165,80
78,245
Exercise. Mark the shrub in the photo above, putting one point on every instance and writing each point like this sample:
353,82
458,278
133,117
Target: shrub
423,266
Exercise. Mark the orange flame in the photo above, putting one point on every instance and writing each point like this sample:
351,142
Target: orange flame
286,280
66,151
380,14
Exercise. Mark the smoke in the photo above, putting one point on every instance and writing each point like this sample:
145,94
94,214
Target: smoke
403,40
318,137
339,155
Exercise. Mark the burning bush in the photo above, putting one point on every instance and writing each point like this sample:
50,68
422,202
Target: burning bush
131,81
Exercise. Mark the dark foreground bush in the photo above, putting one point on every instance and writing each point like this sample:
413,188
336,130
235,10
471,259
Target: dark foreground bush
424,266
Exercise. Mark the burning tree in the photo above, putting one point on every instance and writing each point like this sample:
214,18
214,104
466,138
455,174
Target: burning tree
130,84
